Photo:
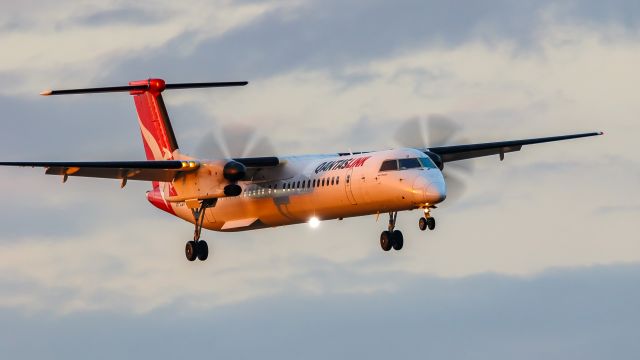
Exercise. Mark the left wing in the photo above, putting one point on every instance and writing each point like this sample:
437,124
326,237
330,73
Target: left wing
461,152
154,170
149,170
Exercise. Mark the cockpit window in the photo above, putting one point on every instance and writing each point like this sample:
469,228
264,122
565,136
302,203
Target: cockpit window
427,163
405,164
389,165
409,164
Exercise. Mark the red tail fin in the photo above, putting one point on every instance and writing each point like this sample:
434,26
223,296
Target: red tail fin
157,133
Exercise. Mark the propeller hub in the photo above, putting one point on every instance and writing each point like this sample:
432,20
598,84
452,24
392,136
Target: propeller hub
234,171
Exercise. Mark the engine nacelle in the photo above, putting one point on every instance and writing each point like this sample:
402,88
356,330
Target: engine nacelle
232,190
436,159
234,171
212,179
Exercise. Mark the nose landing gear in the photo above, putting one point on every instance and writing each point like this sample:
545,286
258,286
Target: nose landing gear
424,223
427,221
392,238
197,248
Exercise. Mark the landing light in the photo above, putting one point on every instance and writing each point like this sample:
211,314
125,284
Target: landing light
314,222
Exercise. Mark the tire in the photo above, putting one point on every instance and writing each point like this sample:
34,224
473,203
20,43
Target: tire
385,241
422,224
191,250
398,240
431,223
203,250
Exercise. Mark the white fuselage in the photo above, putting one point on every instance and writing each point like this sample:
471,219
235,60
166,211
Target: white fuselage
324,187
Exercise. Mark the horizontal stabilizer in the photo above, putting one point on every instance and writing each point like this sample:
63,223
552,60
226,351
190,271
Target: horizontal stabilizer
151,85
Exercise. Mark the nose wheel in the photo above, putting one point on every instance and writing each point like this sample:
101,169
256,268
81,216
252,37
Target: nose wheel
196,248
427,221
391,238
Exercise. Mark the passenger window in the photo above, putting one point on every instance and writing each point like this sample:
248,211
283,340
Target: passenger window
389,165
298,185
348,178
409,164
337,180
332,180
322,182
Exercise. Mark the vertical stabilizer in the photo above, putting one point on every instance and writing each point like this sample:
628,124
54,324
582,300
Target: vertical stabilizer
157,134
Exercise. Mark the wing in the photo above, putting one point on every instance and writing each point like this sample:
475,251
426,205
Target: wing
151,170
154,170
461,152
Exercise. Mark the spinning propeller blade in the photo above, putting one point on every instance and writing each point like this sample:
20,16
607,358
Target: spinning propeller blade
233,141
437,130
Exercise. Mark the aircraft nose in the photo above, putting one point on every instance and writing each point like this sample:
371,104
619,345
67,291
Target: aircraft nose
430,190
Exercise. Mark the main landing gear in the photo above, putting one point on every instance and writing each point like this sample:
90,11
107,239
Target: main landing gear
197,248
391,238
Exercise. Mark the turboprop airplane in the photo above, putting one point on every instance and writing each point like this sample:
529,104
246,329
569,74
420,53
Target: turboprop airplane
238,194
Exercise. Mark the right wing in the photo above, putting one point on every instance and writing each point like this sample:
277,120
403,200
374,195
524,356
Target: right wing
462,152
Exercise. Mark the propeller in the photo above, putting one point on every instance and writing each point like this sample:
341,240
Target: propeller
432,131
233,141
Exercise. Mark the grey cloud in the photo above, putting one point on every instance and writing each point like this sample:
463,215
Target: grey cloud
625,13
617,209
587,313
317,36
72,128
88,207
85,127
122,15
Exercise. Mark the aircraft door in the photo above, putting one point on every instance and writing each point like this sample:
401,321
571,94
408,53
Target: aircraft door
348,180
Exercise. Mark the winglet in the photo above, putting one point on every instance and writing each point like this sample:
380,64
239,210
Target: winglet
46,92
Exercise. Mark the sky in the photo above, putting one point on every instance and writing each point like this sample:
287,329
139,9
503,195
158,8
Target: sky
537,258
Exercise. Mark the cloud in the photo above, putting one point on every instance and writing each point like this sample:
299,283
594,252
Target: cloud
587,313
314,36
55,43
123,15
323,84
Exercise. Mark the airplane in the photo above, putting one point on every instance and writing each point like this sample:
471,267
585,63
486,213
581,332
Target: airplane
248,193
